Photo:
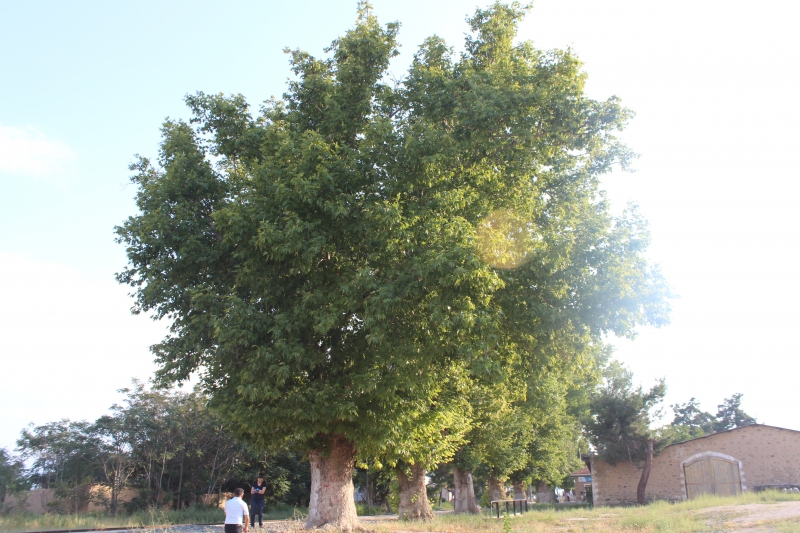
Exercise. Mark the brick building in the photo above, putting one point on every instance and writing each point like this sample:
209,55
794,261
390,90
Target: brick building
723,463
582,478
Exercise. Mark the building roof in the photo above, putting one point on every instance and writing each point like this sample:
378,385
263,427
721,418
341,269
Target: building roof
728,431
584,472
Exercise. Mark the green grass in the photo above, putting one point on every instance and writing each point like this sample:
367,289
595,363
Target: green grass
19,522
363,510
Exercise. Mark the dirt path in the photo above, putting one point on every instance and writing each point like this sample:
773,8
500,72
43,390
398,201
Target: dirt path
753,517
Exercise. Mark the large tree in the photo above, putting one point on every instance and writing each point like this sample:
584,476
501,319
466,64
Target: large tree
558,402
425,442
326,264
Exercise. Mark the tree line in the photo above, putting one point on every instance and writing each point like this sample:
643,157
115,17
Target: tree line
175,451
167,445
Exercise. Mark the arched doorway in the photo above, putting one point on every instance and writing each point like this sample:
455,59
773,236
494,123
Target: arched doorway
712,473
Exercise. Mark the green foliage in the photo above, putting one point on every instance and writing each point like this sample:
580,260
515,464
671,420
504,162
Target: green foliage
689,416
620,425
363,509
730,414
696,423
373,479
556,407
10,469
670,434
485,500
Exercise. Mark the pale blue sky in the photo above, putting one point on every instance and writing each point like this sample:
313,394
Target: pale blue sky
85,85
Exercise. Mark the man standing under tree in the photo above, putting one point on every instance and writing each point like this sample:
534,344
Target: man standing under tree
257,502
235,513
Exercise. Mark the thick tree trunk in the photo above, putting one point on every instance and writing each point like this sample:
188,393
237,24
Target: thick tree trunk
519,491
413,495
496,491
331,504
465,501
645,474
545,493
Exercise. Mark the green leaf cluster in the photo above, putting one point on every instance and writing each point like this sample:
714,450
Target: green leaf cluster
694,422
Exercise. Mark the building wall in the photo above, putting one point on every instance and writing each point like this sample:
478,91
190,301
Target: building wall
580,486
581,478
41,501
37,501
766,455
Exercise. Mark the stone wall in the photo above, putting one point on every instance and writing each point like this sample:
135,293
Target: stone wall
766,455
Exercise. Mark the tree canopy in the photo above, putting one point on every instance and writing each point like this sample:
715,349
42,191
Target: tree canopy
326,263
698,422
622,415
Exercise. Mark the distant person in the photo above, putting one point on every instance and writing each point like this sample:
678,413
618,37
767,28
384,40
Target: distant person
257,501
236,513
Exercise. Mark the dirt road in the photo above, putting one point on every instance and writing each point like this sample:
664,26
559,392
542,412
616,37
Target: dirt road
753,517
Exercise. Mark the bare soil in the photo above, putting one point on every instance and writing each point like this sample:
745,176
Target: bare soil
752,517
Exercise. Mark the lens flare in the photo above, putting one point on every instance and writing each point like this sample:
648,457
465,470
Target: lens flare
505,239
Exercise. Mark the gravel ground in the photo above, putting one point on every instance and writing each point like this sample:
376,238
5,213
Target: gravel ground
270,526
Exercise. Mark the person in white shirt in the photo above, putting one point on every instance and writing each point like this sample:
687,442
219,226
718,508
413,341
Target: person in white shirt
235,513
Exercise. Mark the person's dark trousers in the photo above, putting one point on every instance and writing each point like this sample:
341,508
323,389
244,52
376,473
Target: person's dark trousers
256,508
233,528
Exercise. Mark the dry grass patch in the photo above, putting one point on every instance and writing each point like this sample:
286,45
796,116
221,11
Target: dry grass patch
21,522
750,512
765,512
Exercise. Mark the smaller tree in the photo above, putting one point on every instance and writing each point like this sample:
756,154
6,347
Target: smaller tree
620,424
730,414
62,456
694,422
690,416
10,468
